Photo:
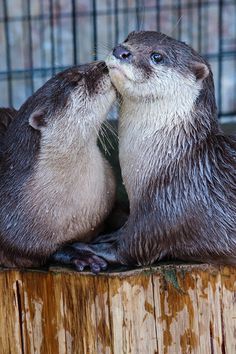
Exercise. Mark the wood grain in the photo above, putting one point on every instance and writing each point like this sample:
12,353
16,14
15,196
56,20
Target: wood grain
171,309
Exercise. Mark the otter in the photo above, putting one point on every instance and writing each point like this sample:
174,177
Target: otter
55,185
178,167
6,117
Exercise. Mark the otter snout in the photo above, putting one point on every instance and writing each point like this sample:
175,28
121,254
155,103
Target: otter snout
122,53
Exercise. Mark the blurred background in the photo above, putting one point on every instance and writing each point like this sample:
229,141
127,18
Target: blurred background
41,37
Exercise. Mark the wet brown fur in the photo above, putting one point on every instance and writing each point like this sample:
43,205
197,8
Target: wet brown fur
178,168
37,188
185,207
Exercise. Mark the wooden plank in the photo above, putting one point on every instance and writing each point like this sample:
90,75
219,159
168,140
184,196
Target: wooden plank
182,309
40,299
176,309
10,313
228,309
104,313
133,317
208,289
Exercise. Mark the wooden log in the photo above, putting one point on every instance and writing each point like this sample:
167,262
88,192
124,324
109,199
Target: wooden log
169,309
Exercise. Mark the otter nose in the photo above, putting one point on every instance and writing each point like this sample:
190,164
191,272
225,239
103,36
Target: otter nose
122,53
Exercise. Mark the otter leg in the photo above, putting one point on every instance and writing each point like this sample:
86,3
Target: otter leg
106,251
107,238
104,247
94,255
69,255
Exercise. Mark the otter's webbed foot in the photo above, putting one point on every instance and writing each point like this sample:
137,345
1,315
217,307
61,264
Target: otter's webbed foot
105,251
95,255
80,257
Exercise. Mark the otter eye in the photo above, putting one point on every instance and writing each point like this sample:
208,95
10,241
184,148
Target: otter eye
156,57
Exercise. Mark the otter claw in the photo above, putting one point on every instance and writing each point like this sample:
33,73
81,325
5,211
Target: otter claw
80,259
95,263
79,264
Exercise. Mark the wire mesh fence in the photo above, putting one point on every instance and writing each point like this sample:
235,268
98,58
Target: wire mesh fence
41,37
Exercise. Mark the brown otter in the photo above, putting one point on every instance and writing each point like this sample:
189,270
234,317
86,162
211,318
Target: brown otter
55,184
178,167
6,117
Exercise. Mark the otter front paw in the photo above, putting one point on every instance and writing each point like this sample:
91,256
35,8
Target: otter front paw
79,257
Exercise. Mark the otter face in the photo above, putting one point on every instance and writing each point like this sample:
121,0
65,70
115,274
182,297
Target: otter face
151,65
78,98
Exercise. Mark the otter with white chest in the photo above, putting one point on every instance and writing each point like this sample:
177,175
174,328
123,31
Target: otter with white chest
55,185
178,167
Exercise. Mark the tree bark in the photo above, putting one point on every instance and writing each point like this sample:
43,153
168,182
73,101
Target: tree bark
169,309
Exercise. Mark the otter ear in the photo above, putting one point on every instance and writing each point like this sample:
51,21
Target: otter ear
200,70
37,120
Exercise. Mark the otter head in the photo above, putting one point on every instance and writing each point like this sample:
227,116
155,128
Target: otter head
151,66
72,103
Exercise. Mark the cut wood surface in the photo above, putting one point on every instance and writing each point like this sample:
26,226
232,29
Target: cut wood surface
166,309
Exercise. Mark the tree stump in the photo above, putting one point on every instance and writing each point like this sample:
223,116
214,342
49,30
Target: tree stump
169,309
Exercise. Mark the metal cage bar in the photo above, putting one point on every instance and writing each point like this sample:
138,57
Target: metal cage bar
60,33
